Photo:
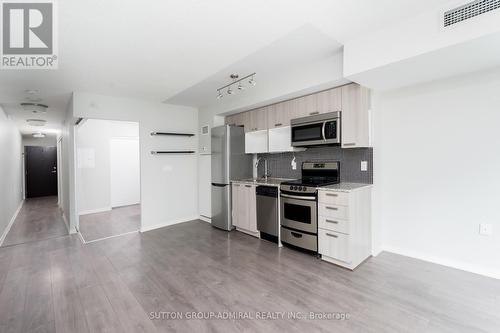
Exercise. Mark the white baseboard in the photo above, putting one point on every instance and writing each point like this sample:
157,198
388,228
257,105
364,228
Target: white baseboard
166,224
445,262
205,219
11,222
93,211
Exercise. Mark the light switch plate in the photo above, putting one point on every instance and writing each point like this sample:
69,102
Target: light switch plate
485,229
364,165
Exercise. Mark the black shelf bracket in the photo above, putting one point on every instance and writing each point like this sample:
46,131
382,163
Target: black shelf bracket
153,152
171,134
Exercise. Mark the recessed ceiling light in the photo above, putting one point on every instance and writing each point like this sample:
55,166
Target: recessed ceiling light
32,91
38,135
36,122
34,107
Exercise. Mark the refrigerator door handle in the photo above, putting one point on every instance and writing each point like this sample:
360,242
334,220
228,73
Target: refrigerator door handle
219,185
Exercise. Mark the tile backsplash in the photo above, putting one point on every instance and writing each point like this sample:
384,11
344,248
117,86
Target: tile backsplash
350,163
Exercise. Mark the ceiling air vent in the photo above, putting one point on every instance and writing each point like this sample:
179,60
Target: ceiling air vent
469,10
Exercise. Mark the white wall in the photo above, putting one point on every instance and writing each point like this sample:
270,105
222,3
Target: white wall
168,182
47,141
11,186
436,164
94,171
125,170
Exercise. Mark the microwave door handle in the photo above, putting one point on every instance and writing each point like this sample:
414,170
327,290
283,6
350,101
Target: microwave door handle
323,131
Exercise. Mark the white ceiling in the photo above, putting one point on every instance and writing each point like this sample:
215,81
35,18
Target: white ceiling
303,46
157,49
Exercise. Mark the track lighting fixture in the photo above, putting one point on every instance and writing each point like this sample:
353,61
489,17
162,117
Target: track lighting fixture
236,81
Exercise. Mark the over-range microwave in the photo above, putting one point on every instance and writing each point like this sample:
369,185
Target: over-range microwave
321,129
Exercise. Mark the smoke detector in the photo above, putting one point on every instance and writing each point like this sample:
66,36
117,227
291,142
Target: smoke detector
34,107
36,122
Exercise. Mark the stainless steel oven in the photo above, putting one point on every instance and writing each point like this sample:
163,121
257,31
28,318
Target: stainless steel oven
299,212
321,129
299,204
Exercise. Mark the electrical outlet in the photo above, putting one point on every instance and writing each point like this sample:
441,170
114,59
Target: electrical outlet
364,165
485,229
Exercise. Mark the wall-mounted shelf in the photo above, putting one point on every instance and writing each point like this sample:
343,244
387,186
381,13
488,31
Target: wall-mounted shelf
153,152
171,134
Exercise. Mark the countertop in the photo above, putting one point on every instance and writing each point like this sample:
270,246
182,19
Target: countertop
261,181
344,187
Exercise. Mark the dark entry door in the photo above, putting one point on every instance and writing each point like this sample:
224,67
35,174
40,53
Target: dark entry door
41,171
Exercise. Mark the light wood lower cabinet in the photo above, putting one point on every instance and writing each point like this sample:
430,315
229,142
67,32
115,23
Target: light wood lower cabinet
344,226
244,208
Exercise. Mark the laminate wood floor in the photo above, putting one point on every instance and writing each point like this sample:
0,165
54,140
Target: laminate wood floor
117,221
114,285
39,218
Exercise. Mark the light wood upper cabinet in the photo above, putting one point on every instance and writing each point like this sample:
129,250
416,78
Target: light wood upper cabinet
279,115
352,100
306,106
239,119
355,116
329,100
257,119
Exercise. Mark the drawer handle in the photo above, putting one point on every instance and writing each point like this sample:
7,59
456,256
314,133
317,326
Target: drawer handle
332,195
278,125
331,221
296,235
248,185
314,113
350,144
332,208
332,235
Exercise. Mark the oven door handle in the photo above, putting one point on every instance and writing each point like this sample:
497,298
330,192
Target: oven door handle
298,197
323,131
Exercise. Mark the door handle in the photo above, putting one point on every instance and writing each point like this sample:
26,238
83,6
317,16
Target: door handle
331,235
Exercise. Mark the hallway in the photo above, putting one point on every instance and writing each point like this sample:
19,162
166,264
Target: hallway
39,219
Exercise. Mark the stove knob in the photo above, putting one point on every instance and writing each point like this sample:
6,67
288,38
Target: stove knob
304,189
294,187
300,188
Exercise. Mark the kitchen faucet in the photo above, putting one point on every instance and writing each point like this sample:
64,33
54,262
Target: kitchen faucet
266,172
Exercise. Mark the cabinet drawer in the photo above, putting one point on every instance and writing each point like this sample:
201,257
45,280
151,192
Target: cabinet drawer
333,244
337,225
335,211
335,198
300,239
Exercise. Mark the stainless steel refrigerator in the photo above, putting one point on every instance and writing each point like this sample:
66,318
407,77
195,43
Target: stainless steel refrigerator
229,162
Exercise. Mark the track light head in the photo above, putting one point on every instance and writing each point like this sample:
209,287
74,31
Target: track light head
252,81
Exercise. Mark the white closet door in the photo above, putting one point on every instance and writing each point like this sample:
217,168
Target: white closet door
125,172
